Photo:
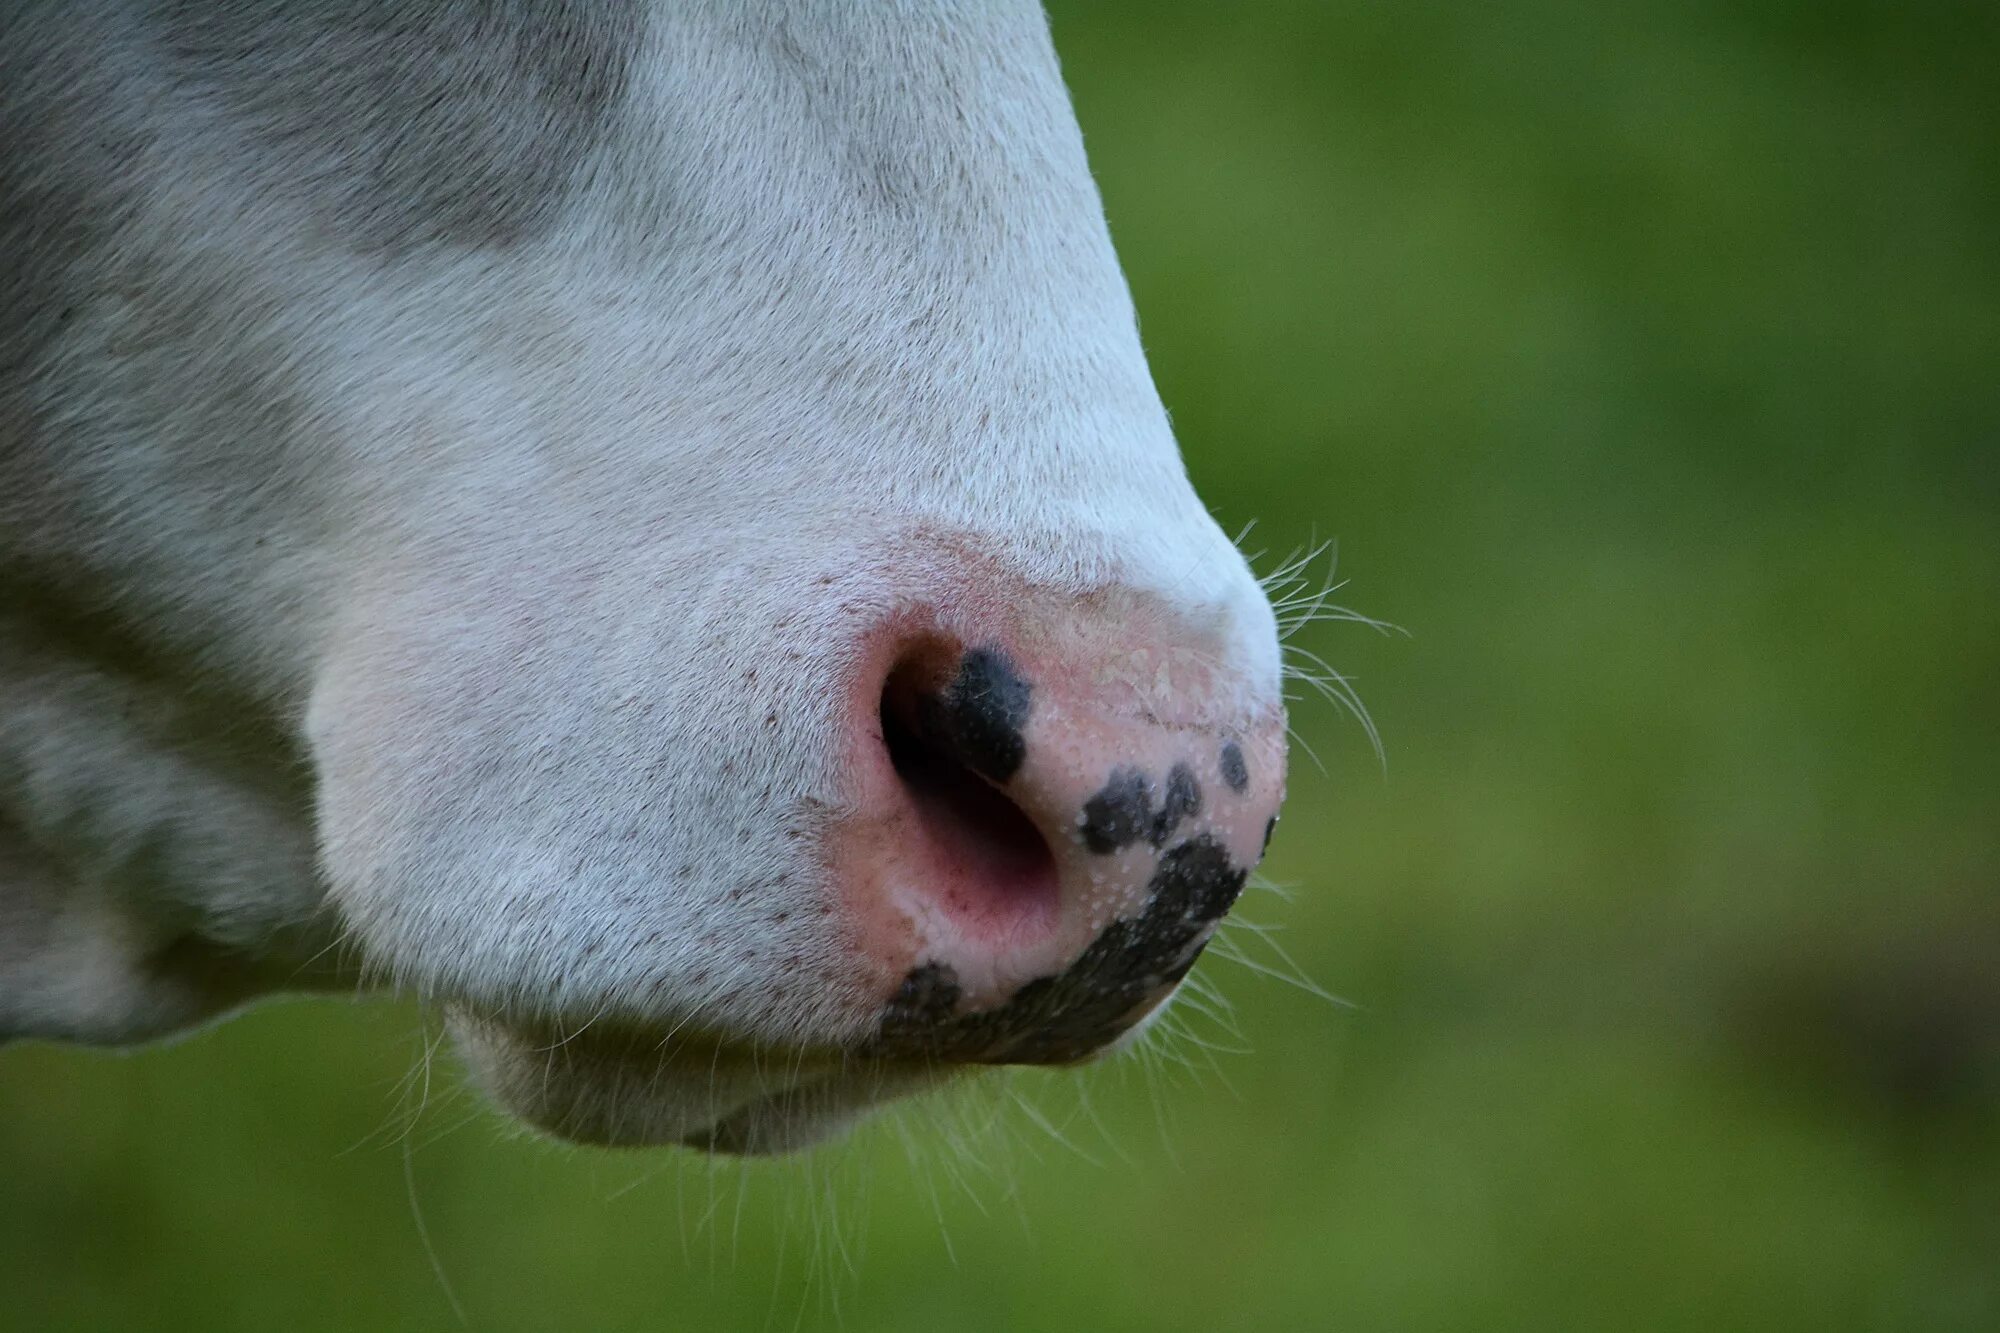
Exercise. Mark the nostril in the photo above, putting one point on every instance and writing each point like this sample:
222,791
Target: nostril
991,867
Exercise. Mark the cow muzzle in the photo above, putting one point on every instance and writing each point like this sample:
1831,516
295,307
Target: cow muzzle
1048,828
1044,805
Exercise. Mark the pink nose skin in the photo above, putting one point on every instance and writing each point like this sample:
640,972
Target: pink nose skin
1045,840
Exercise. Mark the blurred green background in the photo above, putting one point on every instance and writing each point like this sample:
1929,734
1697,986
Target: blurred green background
1642,358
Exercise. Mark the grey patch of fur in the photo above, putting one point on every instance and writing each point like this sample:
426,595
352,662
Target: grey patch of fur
65,190
413,123
139,142
392,125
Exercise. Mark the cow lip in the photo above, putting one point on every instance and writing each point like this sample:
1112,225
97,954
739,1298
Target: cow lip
817,1109
628,1086
772,1123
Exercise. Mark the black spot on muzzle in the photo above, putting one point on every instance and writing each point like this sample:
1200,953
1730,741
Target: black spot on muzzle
978,717
1122,811
1235,771
1063,1018
1119,813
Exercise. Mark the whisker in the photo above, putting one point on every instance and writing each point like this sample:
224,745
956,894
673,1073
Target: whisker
1227,948
424,1238
1029,1109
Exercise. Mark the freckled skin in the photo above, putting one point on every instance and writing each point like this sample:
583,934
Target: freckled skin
1119,813
1151,847
1063,1018
1183,801
1122,811
1235,771
926,999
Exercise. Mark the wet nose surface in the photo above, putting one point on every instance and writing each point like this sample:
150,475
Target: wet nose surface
1061,838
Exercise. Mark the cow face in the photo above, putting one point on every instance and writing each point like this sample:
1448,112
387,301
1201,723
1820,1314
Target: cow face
754,643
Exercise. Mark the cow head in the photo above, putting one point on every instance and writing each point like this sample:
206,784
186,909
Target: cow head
751,635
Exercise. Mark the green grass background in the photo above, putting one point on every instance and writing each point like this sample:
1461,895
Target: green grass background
1645,361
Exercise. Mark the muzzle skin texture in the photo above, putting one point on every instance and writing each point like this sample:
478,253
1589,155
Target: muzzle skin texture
646,526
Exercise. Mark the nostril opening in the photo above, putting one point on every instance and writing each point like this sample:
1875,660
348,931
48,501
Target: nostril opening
993,867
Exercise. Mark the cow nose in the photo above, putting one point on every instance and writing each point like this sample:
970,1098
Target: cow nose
1052,834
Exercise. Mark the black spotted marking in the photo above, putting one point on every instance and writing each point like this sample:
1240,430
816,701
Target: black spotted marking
1270,827
1062,1018
978,718
1120,813
1196,881
1235,771
927,998
1186,965
1182,801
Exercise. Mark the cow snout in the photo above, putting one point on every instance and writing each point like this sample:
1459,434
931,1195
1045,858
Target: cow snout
1050,826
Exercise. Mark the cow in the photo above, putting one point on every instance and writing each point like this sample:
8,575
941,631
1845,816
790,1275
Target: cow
646,526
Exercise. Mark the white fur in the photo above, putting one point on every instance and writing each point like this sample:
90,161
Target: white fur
485,618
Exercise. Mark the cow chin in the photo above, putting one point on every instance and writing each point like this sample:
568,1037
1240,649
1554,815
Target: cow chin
631,1088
